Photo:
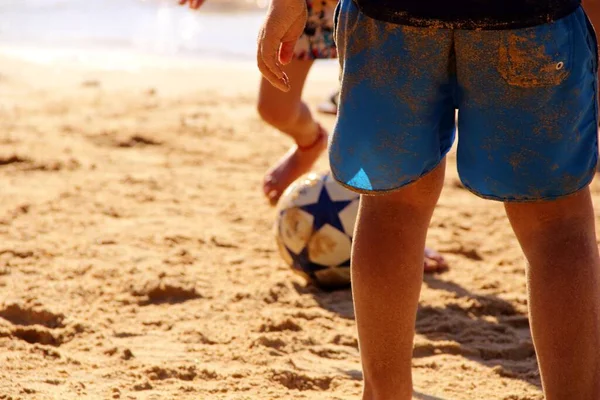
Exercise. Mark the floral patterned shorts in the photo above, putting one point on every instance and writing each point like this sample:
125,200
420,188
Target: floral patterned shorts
317,39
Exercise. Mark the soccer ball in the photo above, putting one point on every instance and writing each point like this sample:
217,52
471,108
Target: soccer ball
314,228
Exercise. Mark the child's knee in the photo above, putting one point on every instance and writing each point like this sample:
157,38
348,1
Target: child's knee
279,116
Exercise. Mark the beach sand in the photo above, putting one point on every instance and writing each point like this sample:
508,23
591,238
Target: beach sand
137,259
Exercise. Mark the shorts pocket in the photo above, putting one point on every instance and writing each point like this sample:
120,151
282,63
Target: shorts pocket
537,57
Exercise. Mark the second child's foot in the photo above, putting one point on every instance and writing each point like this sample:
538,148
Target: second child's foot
434,262
331,105
295,163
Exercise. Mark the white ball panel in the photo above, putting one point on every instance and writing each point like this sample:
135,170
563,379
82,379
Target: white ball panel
337,192
348,217
284,252
329,246
295,228
303,192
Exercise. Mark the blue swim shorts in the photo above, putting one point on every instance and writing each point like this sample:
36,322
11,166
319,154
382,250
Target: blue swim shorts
526,101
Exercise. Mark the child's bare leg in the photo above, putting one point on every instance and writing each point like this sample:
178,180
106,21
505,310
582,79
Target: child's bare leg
387,271
559,241
287,112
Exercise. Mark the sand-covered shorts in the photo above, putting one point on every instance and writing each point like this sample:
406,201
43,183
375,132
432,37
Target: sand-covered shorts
317,40
526,100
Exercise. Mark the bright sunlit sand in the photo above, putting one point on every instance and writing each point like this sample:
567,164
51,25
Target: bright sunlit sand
137,258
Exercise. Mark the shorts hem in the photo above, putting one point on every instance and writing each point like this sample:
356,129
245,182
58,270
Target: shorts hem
379,192
531,199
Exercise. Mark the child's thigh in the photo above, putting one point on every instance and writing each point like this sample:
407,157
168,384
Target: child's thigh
396,113
527,110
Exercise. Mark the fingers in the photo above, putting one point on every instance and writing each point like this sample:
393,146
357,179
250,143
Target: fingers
268,58
194,4
285,22
290,38
286,52
268,49
282,83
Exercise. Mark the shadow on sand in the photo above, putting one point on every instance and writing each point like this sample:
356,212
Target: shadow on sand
482,328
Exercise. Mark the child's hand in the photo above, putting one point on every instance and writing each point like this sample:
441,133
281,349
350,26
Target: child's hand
194,4
277,38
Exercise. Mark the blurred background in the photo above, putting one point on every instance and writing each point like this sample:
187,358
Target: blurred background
76,30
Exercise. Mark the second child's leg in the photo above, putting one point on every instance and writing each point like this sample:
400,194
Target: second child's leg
288,113
387,272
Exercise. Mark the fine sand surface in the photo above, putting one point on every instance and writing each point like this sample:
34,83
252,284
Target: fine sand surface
137,259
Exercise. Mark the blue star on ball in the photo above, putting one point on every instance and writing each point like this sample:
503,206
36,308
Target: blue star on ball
325,212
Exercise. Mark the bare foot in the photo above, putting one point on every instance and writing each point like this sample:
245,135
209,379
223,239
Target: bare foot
294,164
434,262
